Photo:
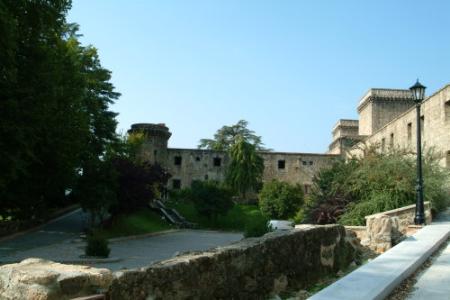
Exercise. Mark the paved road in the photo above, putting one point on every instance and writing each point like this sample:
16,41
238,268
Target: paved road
60,230
59,241
133,253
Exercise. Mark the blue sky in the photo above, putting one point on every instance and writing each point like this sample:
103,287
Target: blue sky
290,68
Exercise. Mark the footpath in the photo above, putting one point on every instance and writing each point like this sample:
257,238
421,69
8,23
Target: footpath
434,282
379,277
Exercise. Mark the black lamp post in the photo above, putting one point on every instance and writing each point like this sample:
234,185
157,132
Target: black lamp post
418,92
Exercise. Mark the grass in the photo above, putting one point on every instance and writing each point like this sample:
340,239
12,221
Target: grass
145,221
236,219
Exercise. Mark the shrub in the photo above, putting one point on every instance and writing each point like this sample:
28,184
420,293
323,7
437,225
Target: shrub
256,227
329,197
96,190
138,184
347,192
280,200
97,245
210,199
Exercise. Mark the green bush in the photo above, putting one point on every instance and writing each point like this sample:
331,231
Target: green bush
299,216
210,198
256,228
280,200
348,191
97,245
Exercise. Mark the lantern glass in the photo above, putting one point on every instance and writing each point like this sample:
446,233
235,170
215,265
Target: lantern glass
418,91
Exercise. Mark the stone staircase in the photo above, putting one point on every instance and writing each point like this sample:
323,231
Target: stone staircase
171,215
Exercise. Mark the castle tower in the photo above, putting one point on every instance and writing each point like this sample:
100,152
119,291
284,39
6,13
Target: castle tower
345,135
154,148
380,106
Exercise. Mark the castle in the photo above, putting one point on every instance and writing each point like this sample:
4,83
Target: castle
386,117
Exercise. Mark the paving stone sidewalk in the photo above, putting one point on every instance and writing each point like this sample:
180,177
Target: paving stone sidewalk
434,282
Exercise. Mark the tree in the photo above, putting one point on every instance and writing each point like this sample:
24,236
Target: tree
96,190
280,200
138,184
227,136
246,168
210,198
54,114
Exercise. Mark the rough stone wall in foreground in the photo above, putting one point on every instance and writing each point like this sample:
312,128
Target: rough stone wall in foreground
250,269
386,229
39,279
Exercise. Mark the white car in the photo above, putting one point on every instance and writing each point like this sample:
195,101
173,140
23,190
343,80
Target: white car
280,225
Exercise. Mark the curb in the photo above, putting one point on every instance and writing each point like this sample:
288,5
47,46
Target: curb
378,278
139,236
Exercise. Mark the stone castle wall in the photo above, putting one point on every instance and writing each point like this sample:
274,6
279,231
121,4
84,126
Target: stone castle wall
401,132
380,106
299,168
188,165
195,164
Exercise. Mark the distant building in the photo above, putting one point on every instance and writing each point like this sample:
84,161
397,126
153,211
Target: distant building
188,165
386,118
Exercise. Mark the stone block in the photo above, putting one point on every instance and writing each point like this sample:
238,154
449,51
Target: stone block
40,279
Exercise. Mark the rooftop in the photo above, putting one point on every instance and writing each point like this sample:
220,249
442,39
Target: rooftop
385,94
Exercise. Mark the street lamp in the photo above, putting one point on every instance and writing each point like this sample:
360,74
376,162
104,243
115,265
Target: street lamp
418,92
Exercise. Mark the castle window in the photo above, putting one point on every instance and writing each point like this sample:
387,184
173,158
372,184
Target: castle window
217,162
307,188
281,164
311,163
447,110
155,152
409,132
304,162
383,144
177,160
176,184
197,158
206,177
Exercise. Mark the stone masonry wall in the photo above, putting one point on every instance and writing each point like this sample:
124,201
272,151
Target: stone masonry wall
253,268
196,164
385,230
200,165
250,269
401,132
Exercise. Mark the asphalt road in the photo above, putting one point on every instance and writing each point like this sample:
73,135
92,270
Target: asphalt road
59,241
62,229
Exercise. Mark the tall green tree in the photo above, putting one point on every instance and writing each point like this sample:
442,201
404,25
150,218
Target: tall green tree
246,168
227,136
54,109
